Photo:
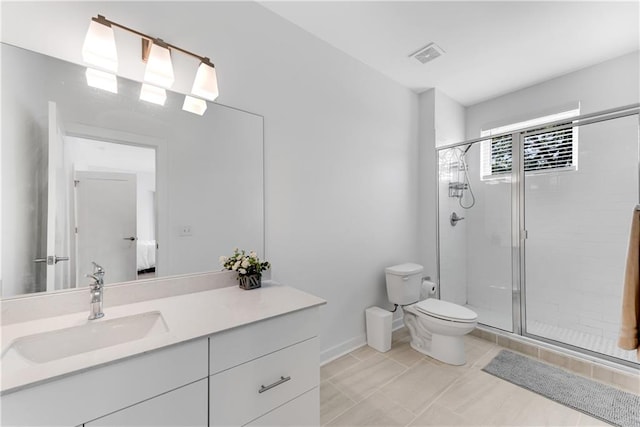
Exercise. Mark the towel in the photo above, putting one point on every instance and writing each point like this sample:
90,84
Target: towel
629,338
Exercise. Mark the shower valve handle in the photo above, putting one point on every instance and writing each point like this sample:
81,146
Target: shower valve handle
454,218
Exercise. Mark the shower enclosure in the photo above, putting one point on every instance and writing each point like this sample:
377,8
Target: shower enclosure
533,227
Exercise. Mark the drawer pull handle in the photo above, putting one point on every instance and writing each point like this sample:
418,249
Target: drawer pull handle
277,383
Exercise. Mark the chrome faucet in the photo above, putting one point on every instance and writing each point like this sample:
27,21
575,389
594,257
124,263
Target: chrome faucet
95,288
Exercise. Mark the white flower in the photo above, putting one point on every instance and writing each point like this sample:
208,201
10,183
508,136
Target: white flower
236,265
242,271
245,263
253,254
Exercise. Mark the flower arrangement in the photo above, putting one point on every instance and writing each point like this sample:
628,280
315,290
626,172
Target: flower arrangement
244,264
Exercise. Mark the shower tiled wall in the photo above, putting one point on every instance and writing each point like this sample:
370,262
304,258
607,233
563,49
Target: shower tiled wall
578,224
578,228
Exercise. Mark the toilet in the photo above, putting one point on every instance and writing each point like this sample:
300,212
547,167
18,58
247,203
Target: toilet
437,327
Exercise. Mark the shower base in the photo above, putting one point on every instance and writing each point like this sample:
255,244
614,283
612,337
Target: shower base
591,342
572,337
493,318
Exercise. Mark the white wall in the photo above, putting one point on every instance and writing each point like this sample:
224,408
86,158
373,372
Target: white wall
449,120
341,140
427,183
441,122
23,202
578,222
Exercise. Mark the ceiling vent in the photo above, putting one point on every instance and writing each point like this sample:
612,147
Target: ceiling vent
427,53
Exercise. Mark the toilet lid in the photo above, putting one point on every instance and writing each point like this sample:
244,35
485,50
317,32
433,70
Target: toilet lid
446,310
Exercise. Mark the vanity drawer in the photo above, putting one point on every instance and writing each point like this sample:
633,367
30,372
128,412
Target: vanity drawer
78,398
186,406
302,411
233,347
238,395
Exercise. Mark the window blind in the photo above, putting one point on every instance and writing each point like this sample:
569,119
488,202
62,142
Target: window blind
548,148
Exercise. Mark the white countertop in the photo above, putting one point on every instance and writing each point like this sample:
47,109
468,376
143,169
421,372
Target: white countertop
189,316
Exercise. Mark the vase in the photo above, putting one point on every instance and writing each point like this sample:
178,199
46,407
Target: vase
250,281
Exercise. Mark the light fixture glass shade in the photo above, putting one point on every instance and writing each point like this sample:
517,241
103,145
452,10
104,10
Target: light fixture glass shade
99,47
102,80
194,105
206,83
159,69
153,94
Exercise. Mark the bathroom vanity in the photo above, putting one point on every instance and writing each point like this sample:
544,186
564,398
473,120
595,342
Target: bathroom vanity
215,357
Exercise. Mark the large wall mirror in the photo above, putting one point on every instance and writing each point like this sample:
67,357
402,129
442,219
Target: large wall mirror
92,176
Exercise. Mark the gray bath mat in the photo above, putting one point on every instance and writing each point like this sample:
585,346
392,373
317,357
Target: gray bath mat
597,400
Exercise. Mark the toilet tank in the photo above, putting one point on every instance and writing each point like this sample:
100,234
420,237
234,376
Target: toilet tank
403,283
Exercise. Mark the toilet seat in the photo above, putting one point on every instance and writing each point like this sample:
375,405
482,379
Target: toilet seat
446,311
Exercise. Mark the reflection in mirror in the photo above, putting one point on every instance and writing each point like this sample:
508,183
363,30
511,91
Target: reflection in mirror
92,176
113,194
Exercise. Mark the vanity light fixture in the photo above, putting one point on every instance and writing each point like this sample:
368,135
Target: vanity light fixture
159,71
205,84
99,49
102,80
194,105
153,94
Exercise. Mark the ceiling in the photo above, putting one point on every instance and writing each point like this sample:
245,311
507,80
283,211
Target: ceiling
491,48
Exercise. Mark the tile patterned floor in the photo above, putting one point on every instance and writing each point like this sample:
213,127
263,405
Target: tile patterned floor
404,388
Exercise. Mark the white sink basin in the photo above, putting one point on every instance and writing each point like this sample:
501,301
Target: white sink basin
93,335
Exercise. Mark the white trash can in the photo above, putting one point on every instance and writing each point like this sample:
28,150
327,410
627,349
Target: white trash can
379,328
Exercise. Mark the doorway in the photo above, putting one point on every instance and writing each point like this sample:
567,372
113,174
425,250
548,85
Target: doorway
114,209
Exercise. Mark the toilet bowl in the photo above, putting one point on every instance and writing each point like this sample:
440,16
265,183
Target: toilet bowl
438,330
436,327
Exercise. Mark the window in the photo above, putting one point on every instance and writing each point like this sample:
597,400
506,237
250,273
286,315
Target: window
552,151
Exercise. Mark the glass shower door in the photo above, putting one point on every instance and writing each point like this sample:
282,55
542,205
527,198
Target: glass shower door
578,218
474,235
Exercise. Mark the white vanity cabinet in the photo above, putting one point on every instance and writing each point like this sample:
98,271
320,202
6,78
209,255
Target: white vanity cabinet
266,373
186,406
85,396
256,365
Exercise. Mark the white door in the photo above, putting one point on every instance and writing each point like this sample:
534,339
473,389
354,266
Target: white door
57,208
106,225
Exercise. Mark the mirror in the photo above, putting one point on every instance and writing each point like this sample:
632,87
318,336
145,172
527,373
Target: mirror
143,190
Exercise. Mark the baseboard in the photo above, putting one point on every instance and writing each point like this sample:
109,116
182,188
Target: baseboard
341,349
349,345
397,324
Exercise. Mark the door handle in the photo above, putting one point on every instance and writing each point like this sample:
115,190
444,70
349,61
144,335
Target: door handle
132,238
51,260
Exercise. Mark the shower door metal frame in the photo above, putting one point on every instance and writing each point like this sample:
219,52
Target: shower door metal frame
518,220
518,306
